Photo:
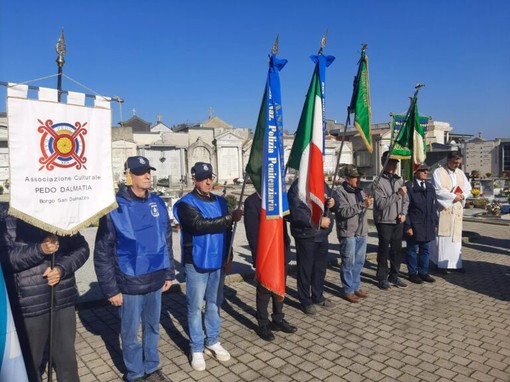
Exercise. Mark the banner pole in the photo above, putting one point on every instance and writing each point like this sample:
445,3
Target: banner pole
413,101
61,52
348,118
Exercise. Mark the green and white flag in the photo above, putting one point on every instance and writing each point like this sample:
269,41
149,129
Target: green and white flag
410,141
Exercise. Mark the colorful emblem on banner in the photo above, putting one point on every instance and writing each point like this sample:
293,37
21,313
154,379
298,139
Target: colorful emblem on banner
62,145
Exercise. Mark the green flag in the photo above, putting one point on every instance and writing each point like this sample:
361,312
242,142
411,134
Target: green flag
410,141
360,102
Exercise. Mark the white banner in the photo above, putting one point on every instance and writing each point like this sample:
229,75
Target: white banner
60,162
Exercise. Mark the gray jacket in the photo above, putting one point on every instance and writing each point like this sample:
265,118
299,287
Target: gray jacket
388,204
351,217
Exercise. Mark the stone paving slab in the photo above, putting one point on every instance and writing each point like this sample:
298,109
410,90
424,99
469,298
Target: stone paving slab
457,329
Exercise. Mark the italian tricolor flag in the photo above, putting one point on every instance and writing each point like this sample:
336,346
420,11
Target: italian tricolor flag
306,154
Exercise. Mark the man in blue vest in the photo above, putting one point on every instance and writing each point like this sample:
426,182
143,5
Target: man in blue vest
133,259
206,228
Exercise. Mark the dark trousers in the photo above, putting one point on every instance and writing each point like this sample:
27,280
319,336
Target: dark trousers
312,261
390,246
34,339
262,300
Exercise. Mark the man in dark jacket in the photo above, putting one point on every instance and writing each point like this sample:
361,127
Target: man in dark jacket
133,259
420,225
311,249
25,253
206,228
252,210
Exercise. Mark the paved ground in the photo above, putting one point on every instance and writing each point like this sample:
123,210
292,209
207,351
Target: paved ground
457,329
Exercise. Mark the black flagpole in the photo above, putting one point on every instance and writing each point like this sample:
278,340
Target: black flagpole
350,109
61,51
274,50
413,102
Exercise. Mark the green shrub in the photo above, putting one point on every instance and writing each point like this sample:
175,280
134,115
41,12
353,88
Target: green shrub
480,203
231,202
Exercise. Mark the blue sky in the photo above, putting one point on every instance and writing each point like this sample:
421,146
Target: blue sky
179,58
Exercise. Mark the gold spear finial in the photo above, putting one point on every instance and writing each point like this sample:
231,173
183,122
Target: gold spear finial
323,41
274,50
61,49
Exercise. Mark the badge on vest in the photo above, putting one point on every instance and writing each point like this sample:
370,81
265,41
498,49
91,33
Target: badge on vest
154,209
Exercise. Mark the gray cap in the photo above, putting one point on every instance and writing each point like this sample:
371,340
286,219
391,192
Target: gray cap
422,167
351,171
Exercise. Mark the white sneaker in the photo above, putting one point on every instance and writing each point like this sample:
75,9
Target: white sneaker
198,361
218,352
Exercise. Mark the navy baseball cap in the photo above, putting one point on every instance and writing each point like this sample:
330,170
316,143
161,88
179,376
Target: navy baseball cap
201,171
138,165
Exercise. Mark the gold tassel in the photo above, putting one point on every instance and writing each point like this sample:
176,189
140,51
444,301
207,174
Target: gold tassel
129,180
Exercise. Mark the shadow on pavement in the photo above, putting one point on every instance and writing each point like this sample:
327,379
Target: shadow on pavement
489,244
230,299
105,323
482,277
174,304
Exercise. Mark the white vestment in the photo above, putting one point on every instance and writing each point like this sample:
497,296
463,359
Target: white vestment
447,251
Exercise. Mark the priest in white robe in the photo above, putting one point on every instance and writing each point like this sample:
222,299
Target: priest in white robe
452,188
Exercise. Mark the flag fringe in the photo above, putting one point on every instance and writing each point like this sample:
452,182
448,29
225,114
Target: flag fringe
282,296
369,146
317,201
56,230
273,217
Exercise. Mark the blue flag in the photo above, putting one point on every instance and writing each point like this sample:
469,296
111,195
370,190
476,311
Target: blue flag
12,365
274,195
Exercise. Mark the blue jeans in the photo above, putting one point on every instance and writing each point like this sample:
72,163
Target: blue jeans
418,253
352,251
200,286
140,359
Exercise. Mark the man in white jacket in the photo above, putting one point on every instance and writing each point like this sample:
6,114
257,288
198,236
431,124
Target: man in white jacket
452,189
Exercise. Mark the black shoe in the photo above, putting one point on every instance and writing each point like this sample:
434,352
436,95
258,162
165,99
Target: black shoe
384,285
459,270
265,332
415,279
427,278
283,326
398,283
156,376
442,271
328,304
309,309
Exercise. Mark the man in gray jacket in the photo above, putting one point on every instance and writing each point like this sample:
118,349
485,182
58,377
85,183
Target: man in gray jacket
390,209
352,231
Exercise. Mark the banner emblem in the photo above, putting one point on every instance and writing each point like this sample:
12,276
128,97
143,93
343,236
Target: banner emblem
60,161
62,145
